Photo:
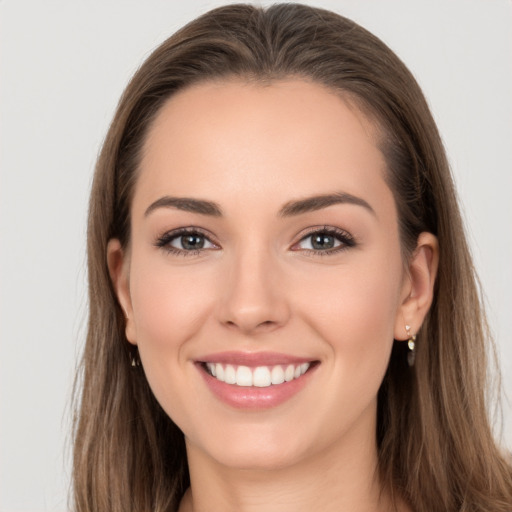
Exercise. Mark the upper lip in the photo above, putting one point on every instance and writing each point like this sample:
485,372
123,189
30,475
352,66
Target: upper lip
253,359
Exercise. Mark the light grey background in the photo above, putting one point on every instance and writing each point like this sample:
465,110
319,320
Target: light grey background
63,66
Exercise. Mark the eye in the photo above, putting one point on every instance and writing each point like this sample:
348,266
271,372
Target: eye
185,242
327,240
191,242
320,242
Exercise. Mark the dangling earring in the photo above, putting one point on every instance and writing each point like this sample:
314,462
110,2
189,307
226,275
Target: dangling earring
134,356
135,359
411,343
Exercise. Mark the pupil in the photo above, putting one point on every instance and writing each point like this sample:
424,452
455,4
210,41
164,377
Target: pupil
192,242
323,242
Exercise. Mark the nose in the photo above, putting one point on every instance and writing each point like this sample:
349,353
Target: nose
254,298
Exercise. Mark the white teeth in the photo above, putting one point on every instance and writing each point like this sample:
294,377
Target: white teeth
219,372
261,376
230,375
243,376
277,375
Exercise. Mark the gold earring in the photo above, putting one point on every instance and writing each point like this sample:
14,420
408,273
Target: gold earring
411,343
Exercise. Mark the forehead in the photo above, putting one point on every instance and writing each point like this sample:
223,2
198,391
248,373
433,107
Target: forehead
233,138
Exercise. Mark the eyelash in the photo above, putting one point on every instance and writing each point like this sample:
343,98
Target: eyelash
164,242
346,239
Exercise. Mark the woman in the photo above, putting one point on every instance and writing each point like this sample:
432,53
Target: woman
283,309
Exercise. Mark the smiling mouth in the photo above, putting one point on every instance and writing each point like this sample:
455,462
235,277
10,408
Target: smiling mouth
259,376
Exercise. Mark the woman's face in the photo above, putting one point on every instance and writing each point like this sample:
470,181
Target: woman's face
264,244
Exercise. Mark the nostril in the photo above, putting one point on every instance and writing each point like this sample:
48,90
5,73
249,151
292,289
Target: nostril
267,324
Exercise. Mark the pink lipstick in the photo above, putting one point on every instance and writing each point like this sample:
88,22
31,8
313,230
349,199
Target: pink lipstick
255,380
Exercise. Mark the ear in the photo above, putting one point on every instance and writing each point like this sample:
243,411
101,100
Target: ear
118,267
418,286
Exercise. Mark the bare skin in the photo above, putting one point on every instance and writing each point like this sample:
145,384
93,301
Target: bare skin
268,272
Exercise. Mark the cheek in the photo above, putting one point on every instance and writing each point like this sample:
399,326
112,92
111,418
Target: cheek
357,299
354,311
167,302
170,307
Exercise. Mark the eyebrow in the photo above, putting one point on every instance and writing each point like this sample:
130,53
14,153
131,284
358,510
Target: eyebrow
311,204
186,204
290,209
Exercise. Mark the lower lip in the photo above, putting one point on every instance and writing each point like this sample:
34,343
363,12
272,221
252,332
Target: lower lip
251,397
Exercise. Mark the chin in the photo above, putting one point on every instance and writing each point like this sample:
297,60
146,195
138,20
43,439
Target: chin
256,460
252,449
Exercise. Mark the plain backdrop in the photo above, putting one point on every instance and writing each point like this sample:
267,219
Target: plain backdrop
63,66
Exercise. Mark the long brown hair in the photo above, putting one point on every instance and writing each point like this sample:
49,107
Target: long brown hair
436,449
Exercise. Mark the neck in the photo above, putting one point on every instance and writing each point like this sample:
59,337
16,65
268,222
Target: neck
340,478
